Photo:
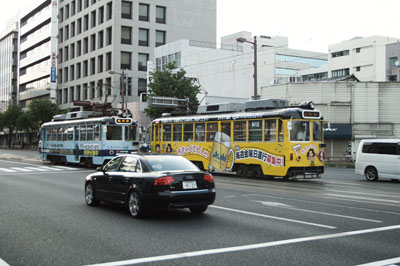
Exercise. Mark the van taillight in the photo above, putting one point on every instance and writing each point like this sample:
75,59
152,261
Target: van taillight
209,178
163,181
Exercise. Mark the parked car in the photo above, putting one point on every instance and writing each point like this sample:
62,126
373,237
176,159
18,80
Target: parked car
144,182
378,158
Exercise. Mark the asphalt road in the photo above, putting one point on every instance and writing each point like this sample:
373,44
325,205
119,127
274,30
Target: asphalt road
340,219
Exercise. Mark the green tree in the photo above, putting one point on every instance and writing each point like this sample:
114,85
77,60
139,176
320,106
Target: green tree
172,82
41,111
9,120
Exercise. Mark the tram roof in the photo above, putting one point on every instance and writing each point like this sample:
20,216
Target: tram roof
284,113
102,120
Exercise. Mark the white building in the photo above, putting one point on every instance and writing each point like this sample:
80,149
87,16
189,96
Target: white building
8,66
366,58
37,25
228,70
96,37
352,110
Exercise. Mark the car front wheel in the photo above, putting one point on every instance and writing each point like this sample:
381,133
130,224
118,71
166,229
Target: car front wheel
90,195
371,174
198,209
135,205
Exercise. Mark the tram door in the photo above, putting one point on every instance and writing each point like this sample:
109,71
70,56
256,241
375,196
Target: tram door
221,148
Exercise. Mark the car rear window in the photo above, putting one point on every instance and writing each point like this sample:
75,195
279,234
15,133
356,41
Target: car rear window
381,148
170,163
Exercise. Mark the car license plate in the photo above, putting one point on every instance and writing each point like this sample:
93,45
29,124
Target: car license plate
189,184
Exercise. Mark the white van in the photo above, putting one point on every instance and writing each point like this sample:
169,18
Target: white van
378,158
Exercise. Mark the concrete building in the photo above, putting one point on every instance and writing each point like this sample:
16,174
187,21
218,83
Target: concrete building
367,58
37,47
8,66
228,70
96,37
352,110
392,61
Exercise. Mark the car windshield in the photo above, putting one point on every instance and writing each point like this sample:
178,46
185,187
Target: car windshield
170,163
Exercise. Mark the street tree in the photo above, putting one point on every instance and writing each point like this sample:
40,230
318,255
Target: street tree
172,82
9,120
41,111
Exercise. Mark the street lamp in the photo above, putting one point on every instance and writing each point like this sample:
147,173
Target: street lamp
122,88
254,43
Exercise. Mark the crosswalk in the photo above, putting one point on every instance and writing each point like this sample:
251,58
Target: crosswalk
36,169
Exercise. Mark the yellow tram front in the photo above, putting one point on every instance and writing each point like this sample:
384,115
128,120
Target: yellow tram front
284,142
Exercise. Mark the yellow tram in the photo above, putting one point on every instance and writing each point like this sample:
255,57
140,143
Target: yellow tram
278,142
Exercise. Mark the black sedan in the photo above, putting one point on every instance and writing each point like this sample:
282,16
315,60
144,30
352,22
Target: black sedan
143,182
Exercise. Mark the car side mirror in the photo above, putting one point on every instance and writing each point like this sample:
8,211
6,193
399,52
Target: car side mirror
99,169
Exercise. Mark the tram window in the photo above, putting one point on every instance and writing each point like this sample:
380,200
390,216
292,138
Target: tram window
49,135
280,131
114,132
270,130
200,132
130,132
177,132
82,130
77,133
65,133
59,133
167,132
188,132
96,131
89,132
255,130
317,131
70,133
300,130
152,132
211,129
54,134
239,131
226,128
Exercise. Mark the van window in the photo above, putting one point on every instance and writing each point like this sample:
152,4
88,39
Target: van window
381,148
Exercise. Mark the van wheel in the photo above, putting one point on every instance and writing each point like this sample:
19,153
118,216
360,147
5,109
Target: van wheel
371,174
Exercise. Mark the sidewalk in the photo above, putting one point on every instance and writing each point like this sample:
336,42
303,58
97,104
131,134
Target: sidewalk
28,156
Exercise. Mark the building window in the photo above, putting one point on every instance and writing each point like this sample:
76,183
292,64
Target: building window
78,70
101,15
108,86
126,10
78,92
72,29
160,14
142,86
65,74
126,35
392,62
100,39
66,31
160,38
108,61
78,48
358,50
358,69
66,55
72,49
158,63
340,73
109,10
178,59
125,60
142,62
93,19
85,45
340,53
143,37
92,42
100,64
92,66
85,68
109,36
79,26
143,12
85,22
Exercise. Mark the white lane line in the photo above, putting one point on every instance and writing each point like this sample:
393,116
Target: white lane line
6,161
7,170
316,212
272,217
65,167
328,204
382,262
363,193
50,168
246,247
363,198
22,169
3,263
37,169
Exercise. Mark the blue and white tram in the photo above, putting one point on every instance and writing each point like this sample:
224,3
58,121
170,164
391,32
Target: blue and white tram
90,140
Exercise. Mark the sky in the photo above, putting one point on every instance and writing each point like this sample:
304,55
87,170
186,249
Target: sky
309,24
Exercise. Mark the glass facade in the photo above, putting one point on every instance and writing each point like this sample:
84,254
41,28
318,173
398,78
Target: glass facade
312,62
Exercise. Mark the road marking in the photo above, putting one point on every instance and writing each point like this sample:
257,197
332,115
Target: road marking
246,247
329,204
279,205
50,168
272,217
382,262
65,167
37,169
21,169
363,198
3,263
7,170
362,193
